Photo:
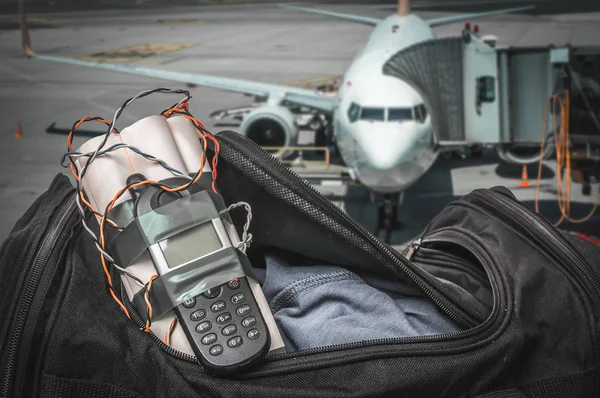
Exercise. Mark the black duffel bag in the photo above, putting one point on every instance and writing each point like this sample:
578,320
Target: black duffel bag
62,335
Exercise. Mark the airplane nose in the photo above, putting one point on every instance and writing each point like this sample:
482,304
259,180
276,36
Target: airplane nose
389,160
384,157
386,150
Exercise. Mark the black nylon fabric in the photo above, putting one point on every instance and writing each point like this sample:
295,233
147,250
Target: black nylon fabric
17,253
587,249
540,339
57,387
27,238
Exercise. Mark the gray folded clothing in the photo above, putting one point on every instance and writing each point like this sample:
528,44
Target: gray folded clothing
319,306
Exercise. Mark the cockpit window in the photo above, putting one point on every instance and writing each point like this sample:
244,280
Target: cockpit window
420,113
373,114
396,114
353,112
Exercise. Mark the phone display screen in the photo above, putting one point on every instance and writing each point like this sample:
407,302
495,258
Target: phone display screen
191,244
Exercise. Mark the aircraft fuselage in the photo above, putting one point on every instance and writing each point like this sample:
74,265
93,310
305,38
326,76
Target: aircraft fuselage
382,126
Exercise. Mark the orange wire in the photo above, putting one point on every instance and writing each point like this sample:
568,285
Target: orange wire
563,159
540,163
167,339
72,168
147,299
118,195
104,219
199,126
127,153
70,136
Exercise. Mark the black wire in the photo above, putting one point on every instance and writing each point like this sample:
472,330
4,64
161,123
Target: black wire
202,131
120,111
111,129
114,147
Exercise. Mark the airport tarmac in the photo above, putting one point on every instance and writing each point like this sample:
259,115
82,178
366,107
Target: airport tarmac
259,42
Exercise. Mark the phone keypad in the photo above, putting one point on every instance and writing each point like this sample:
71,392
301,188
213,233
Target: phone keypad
225,318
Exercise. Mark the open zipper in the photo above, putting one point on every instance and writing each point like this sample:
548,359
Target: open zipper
539,227
435,257
33,285
292,182
284,176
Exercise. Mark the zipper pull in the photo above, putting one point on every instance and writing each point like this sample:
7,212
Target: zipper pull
410,252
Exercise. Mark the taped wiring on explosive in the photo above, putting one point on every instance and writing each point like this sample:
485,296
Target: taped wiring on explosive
560,125
182,108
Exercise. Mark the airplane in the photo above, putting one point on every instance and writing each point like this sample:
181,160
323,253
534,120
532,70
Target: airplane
381,124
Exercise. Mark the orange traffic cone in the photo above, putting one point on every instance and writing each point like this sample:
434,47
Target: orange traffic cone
18,133
524,178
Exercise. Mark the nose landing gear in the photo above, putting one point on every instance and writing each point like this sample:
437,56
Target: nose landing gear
387,217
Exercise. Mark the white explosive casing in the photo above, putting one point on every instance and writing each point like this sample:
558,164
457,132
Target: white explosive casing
174,140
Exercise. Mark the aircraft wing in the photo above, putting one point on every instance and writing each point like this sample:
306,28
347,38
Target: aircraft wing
348,17
431,22
464,17
292,94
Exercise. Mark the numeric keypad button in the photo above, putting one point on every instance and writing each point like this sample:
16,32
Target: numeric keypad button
203,327
216,350
209,339
212,293
197,315
189,303
229,330
243,310
218,306
235,342
238,298
248,322
224,317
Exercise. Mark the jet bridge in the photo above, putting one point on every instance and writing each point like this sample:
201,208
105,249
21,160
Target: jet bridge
480,94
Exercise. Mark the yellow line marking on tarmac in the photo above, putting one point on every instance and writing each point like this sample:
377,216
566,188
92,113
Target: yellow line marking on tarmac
135,53
324,83
34,20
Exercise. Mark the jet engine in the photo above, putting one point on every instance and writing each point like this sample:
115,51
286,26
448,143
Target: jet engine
270,126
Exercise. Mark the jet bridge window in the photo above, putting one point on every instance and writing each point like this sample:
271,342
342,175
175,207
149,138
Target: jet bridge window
377,114
353,112
399,114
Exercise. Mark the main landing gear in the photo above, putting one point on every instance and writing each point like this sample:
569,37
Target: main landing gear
387,219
